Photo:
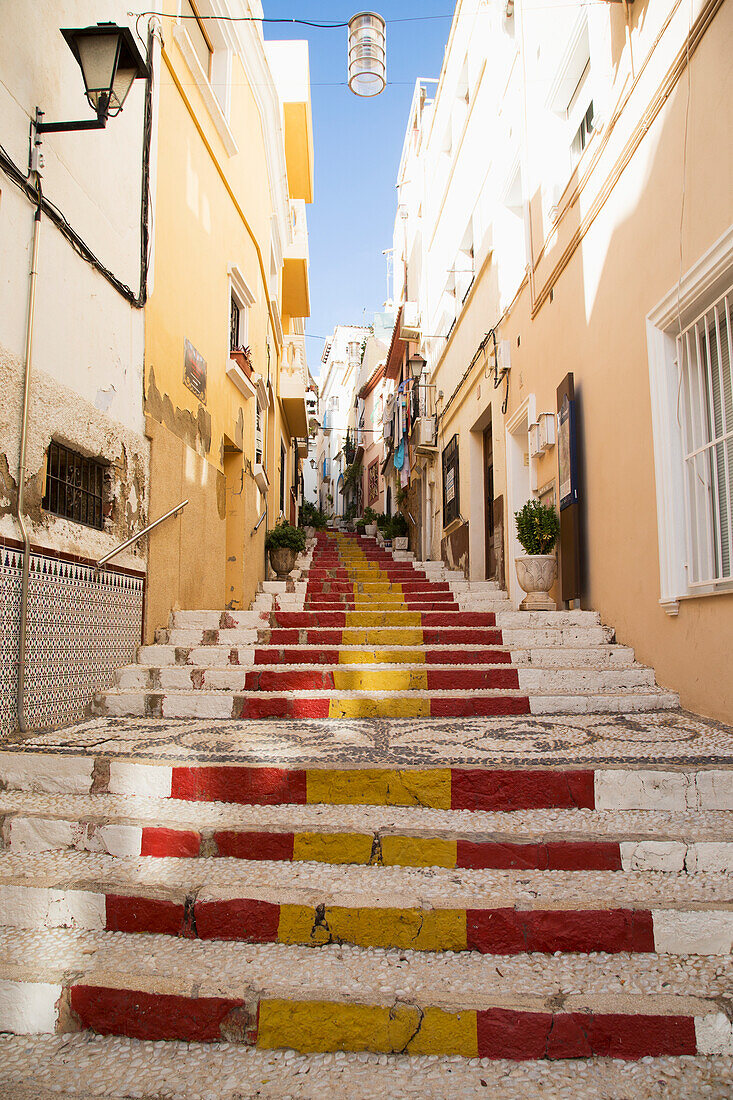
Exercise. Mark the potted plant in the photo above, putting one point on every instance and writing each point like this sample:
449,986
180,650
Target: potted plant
538,527
370,520
399,531
243,358
283,543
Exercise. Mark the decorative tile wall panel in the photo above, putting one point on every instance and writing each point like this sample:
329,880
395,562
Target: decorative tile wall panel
82,625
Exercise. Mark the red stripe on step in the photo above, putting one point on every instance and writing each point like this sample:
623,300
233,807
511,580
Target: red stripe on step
304,618
555,856
478,706
458,636
292,680
454,679
475,789
467,657
279,706
512,931
159,1016
157,841
127,913
258,846
245,919
250,786
505,1033
297,656
467,618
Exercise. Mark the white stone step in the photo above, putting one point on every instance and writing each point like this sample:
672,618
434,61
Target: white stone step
215,620
569,681
207,656
629,702
692,913
45,1066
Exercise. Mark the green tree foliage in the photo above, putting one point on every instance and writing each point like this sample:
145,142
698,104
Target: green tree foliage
538,527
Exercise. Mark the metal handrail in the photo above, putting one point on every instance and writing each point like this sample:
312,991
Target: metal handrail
259,521
123,545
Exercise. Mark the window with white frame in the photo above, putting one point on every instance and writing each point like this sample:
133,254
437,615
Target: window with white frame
706,404
580,115
206,44
259,435
241,299
196,30
691,384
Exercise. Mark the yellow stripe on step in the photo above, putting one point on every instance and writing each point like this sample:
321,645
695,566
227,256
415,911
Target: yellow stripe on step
391,679
400,707
333,847
418,929
320,1027
417,851
383,618
381,656
382,636
379,787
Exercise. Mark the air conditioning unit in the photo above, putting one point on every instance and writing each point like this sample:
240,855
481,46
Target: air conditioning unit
410,323
425,434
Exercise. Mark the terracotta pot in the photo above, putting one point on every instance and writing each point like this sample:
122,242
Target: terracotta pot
536,574
282,560
242,362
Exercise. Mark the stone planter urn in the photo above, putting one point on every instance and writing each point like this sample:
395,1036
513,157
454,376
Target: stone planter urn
282,560
536,574
402,543
310,532
370,530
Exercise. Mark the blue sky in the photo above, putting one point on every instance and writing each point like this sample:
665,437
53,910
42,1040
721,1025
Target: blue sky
358,143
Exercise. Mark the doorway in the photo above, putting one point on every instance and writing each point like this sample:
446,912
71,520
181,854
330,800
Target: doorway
489,528
519,485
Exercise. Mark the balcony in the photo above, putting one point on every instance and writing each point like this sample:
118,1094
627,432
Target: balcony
296,295
293,383
288,62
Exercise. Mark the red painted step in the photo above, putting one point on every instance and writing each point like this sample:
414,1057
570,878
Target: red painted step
276,706
276,655
452,679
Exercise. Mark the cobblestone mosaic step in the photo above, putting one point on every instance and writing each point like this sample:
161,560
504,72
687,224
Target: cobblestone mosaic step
625,786
244,706
110,826
344,704
491,911
33,1065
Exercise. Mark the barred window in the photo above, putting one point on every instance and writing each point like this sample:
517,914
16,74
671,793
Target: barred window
451,488
74,486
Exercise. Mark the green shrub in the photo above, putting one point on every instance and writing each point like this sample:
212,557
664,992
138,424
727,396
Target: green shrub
383,521
398,528
360,526
370,516
284,534
311,516
538,527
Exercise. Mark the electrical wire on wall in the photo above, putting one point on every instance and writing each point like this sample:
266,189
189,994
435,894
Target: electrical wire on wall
24,182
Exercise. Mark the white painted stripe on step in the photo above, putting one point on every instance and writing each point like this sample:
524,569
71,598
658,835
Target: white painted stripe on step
707,855
28,1008
148,780
693,933
653,855
51,774
714,1034
715,790
37,907
38,834
621,789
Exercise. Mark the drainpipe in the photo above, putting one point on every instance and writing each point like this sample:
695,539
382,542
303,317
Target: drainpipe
21,465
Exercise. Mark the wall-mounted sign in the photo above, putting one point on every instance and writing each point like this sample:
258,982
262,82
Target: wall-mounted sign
194,371
567,454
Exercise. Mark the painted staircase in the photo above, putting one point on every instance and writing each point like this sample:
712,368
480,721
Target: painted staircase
342,899
362,634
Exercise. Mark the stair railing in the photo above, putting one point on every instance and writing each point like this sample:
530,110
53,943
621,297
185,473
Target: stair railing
129,542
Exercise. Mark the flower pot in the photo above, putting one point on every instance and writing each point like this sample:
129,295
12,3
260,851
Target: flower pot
536,574
370,529
310,532
400,542
242,360
282,560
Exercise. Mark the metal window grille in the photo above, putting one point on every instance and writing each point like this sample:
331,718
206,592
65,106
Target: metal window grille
258,434
705,357
583,133
234,315
451,495
74,486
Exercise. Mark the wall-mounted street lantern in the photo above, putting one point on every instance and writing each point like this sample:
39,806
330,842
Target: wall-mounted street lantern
367,54
110,62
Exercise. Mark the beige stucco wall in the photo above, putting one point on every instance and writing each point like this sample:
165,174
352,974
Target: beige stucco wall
595,326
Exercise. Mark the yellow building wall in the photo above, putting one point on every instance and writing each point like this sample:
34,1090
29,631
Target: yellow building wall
204,450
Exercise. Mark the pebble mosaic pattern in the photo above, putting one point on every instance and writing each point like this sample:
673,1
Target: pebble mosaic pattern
662,737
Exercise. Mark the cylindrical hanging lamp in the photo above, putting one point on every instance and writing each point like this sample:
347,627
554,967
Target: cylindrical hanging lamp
367,54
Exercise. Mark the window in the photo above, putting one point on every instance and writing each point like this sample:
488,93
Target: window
196,30
706,400
74,486
234,321
258,434
582,136
283,461
451,488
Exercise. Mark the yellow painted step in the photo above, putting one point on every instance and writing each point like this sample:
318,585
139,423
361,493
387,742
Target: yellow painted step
389,679
379,787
